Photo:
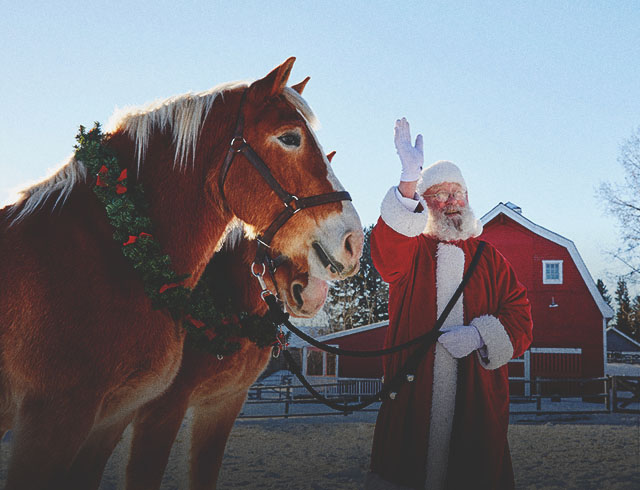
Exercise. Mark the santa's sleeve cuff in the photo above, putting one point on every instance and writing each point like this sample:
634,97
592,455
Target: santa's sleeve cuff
495,337
400,217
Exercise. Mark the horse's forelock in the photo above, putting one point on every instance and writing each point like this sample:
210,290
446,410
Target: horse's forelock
296,100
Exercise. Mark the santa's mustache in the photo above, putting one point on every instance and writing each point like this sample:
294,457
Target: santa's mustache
451,209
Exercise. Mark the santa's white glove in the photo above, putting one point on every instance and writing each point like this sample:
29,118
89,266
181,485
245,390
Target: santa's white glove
461,341
411,157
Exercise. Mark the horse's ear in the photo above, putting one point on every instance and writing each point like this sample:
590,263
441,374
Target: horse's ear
299,87
331,155
275,82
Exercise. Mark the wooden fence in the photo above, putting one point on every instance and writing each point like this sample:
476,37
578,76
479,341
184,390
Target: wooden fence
543,396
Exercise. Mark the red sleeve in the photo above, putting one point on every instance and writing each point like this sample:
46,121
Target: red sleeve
508,332
392,253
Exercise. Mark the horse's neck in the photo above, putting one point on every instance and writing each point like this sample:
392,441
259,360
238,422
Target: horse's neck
188,217
231,278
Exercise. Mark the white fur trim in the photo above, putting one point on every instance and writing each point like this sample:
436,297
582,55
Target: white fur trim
373,481
438,173
449,270
399,218
495,337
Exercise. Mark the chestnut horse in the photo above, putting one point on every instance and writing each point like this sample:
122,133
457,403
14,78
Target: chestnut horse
81,348
215,389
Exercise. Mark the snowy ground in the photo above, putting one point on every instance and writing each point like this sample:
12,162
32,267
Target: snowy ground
549,452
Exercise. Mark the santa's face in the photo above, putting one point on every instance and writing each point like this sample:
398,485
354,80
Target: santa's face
447,201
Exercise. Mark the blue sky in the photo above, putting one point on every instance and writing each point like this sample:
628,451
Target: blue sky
531,99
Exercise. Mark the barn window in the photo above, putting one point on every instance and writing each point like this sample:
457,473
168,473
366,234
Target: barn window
314,363
552,272
319,363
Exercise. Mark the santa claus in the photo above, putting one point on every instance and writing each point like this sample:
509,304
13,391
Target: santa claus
447,428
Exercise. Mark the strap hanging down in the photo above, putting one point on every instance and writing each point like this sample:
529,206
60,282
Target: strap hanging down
407,372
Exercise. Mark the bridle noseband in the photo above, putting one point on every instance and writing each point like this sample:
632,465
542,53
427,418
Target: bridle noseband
292,203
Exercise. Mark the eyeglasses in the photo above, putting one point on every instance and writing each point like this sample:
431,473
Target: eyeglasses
443,196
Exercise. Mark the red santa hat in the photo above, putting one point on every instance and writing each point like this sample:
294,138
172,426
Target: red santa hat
439,172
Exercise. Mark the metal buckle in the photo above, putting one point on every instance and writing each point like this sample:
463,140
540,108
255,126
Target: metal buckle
279,345
259,240
288,204
258,274
237,143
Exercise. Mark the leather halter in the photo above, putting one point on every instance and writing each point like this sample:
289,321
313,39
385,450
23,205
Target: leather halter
292,203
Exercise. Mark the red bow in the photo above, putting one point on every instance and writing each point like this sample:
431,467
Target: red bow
196,323
168,286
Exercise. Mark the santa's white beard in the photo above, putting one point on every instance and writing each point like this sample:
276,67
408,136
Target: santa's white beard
455,227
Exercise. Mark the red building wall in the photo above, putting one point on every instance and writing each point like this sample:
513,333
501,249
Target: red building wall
577,321
355,367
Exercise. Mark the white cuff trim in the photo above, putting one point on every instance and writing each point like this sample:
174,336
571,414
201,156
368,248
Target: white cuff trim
399,217
495,337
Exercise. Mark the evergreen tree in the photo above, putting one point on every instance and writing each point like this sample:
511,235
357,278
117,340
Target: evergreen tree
635,319
361,299
604,292
623,306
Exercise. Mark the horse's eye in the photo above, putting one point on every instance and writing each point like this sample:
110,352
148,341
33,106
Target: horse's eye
290,139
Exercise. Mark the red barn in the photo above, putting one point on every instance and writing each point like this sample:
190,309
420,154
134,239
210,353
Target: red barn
569,314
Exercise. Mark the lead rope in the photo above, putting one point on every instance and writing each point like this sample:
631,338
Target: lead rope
405,374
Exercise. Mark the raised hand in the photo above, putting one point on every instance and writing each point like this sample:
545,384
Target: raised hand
411,156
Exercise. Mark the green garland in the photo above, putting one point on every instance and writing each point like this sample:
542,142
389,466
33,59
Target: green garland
208,327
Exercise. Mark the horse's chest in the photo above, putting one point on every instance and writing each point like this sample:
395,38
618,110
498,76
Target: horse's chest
145,379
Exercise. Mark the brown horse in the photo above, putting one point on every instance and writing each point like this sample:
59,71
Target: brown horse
215,389
81,348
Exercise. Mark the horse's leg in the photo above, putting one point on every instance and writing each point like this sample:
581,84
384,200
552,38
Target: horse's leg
154,429
212,424
47,434
88,466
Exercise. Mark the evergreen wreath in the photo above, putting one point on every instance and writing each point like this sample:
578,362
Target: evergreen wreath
209,327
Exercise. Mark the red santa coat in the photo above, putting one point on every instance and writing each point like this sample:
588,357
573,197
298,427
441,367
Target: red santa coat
448,428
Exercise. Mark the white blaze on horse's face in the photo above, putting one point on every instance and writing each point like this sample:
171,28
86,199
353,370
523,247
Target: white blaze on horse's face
325,240
336,245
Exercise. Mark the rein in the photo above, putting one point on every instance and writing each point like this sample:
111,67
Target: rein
292,203
406,373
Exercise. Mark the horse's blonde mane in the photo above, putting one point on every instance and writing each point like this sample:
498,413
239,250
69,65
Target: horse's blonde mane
182,114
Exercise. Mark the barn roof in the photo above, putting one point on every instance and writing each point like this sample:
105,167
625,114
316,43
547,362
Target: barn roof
620,342
501,208
297,342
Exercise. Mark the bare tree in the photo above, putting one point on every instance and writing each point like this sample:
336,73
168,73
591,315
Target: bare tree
623,202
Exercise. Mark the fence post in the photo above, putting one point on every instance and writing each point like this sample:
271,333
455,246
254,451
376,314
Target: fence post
286,402
538,395
608,390
614,393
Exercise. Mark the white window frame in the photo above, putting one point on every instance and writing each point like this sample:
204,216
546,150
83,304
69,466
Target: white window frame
545,279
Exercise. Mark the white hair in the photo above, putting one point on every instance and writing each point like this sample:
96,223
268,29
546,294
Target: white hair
445,229
183,115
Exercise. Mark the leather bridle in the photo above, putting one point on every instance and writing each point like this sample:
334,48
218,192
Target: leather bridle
292,203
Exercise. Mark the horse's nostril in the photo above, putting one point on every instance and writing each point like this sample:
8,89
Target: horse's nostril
297,294
347,245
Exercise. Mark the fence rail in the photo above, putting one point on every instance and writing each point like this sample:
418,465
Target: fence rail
541,396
